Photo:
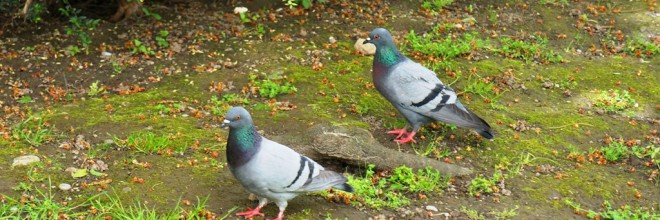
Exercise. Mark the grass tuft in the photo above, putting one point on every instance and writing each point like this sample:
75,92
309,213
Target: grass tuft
378,190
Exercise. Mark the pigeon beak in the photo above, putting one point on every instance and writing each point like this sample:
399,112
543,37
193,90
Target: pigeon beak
366,41
225,123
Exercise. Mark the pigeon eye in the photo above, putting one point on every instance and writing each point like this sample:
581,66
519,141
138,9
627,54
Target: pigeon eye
238,117
376,36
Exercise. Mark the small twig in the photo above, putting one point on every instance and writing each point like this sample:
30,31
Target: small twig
152,187
26,7
563,126
231,211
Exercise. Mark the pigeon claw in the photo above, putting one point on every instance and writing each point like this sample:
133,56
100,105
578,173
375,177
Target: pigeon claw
251,213
407,139
399,132
279,217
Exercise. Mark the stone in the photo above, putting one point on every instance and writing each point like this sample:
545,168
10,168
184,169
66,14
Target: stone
239,10
64,186
357,146
367,49
106,54
332,40
506,192
431,208
548,84
25,160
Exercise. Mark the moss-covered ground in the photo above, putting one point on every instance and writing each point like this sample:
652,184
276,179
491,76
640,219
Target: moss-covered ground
544,102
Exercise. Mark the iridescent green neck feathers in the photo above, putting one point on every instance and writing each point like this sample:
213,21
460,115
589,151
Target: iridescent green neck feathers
387,55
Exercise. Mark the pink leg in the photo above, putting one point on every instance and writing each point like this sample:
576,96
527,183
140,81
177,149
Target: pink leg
280,216
282,206
398,132
407,138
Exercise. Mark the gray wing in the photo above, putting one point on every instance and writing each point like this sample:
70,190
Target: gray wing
284,170
418,89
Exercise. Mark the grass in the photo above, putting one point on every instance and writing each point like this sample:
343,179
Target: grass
117,67
484,90
112,207
94,89
146,142
505,214
535,51
650,152
448,47
388,191
618,150
38,205
269,88
220,106
436,5
624,212
434,44
485,185
45,205
481,185
427,180
78,26
425,150
161,39
234,99
33,130
25,99
614,151
614,100
554,2
141,48
472,214
640,47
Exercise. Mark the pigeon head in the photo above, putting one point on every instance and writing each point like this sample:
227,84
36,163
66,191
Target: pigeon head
237,117
381,38
386,52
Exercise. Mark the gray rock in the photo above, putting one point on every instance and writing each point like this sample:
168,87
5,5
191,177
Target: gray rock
25,160
431,208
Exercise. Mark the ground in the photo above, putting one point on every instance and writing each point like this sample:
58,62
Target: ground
570,89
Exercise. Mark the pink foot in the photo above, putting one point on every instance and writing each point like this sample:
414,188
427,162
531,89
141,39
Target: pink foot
279,217
407,139
398,132
251,212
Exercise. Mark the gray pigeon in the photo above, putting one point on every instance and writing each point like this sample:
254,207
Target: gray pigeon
270,170
416,91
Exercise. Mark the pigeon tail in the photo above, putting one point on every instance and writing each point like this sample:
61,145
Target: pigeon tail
344,187
324,180
486,134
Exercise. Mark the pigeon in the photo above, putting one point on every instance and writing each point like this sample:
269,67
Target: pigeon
416,92
272,171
